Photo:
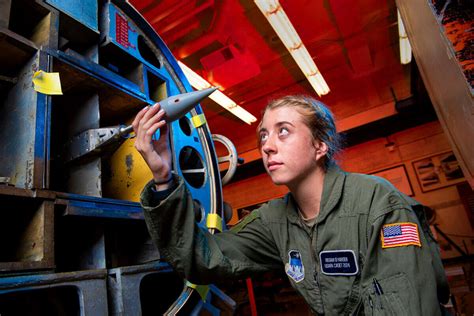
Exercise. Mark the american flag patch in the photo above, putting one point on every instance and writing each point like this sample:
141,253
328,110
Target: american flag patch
400,234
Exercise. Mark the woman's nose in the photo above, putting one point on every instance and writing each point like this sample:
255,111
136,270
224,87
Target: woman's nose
269,146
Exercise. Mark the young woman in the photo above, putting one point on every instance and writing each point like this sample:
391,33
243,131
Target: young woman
349,243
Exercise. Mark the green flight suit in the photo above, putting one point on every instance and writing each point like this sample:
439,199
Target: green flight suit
397,280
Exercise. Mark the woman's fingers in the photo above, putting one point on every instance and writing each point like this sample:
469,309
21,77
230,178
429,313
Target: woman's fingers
152,124
157,154
150,131
154,119
138,117
143,117
153,110
146,123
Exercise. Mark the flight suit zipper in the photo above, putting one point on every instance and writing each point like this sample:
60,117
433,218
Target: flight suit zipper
313,238
313,255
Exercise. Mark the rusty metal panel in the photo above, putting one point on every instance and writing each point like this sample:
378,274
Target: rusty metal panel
130,289
84,11
85,177
26,235
17,133
71,293
5,12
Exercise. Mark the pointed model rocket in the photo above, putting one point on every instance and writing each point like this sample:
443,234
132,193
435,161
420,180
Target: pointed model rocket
95,141
177,106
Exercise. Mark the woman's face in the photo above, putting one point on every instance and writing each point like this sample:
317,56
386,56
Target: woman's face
288,149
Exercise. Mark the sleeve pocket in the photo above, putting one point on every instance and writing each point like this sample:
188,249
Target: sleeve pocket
397,297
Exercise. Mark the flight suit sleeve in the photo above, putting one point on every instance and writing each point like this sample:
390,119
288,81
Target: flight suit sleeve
199,256
401,273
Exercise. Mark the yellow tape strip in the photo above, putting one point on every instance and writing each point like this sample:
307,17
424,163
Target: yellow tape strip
198,120
201,289
214,221
47,82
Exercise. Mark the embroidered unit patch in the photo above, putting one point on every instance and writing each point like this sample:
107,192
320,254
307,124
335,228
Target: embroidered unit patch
294,268
400,234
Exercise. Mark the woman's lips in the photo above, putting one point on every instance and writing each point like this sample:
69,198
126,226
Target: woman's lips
273,165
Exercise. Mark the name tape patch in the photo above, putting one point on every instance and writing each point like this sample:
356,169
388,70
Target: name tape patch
338,262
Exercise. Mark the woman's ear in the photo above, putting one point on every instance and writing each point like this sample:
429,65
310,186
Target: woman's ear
321,149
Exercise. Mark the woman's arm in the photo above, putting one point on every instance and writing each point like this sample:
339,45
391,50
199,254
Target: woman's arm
200,257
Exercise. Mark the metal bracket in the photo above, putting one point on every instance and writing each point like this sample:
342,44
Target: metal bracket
94,142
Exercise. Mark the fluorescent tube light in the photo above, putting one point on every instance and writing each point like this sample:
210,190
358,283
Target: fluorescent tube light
405,47
217,96
278,19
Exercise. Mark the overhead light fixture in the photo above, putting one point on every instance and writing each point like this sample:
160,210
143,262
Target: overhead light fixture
217,96
405,47
287,33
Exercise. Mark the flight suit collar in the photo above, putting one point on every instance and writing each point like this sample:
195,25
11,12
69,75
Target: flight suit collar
292,210
332,193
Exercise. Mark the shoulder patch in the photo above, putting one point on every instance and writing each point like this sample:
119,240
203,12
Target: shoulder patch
399,235
294,268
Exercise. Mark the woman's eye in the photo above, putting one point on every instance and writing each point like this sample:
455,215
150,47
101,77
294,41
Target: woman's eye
263,137
283,131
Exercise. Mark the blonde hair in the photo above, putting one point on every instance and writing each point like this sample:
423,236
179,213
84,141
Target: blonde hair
317,117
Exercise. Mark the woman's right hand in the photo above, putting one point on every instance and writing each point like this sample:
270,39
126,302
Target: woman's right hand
156,153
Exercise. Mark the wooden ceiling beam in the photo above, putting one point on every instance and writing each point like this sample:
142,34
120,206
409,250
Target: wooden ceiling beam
447,86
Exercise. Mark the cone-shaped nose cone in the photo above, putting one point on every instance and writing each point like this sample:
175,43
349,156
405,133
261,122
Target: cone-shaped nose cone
178,105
